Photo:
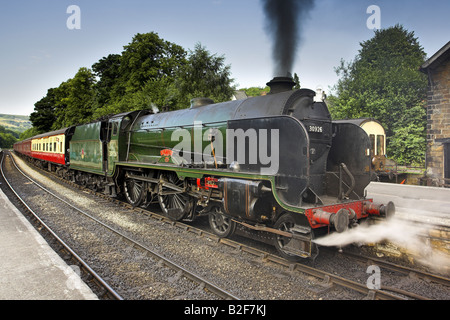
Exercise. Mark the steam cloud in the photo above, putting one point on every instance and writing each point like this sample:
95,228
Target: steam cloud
284,21
396,231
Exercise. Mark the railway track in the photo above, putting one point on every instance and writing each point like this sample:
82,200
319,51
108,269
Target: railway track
179,274
64,247
326,280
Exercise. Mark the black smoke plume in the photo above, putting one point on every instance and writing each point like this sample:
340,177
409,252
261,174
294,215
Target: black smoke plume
284,22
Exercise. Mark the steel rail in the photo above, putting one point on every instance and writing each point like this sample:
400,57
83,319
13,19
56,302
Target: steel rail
401,269
66,247
190,275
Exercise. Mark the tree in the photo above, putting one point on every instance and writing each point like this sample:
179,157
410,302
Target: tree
140,77
203,75
77,100
44,116
384,82
297,81
108,73
149,72
256,91
29,133
7,138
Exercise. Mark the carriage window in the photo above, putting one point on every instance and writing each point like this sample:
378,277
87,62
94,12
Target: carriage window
115,128
380,145
54,146
372,144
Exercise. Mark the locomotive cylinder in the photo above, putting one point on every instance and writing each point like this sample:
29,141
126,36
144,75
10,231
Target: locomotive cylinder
245,198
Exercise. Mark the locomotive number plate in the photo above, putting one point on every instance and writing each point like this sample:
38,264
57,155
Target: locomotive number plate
318,129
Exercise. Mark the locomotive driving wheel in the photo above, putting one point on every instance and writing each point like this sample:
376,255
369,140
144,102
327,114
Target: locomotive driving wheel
285,223
174,202
135,191
220,224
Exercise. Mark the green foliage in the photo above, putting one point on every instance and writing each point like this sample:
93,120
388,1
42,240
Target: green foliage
297,82
107,70
203,75
384,82
73,102
259,91
79,101
29,133
150,72
7,138
141,76
15,123
256,91
44,116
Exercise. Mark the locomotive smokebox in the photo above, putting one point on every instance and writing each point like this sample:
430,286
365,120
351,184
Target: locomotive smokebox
281,84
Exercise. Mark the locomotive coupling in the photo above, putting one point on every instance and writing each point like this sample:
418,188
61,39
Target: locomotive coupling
381,210
339,220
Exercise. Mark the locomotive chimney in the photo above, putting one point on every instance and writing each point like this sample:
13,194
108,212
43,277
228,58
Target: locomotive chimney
281,84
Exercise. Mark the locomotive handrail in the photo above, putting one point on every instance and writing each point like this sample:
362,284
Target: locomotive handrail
190,125
352,183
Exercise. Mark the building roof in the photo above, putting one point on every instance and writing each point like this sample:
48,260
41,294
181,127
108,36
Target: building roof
437,58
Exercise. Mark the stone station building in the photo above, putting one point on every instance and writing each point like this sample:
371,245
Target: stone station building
437,68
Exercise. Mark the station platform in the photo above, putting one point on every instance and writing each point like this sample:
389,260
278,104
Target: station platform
29,268
427,204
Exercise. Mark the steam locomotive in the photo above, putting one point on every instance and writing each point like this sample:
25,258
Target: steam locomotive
276,164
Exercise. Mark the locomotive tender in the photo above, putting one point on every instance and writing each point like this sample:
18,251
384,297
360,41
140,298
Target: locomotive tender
275,164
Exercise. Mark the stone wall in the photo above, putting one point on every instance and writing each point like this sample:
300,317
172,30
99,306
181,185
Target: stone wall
438,120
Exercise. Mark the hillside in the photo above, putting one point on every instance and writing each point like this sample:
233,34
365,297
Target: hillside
15,122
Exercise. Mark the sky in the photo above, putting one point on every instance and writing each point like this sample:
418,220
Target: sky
39,51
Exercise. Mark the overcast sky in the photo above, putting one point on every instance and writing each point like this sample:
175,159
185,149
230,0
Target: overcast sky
38,50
